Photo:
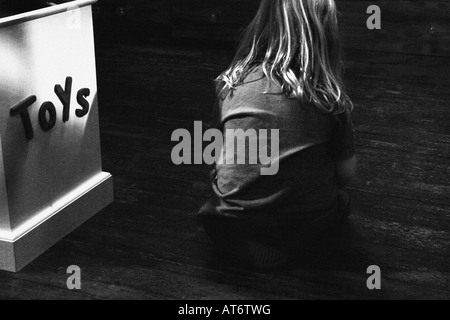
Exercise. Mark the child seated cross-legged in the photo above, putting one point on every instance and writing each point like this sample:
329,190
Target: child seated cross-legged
287,75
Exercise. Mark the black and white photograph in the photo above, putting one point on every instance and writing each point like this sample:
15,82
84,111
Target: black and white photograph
224,155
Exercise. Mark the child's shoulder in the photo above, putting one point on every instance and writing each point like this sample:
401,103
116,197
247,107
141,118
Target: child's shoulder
255,86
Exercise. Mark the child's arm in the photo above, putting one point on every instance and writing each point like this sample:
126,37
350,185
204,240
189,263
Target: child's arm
343,150
346,172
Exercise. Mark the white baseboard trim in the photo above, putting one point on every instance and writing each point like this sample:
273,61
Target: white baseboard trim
24,244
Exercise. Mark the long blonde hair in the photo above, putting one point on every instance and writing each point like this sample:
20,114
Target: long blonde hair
297,43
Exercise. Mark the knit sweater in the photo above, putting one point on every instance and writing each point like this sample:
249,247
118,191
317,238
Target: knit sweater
310,143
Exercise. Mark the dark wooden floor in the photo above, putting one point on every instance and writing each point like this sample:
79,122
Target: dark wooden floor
146,245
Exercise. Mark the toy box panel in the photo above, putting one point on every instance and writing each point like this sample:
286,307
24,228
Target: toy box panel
64,148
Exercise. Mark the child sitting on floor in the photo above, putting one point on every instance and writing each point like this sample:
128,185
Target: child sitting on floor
287,75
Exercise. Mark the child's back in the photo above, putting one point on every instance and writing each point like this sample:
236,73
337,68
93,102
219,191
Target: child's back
304,188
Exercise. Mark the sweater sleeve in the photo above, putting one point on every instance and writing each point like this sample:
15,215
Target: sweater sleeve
342,144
